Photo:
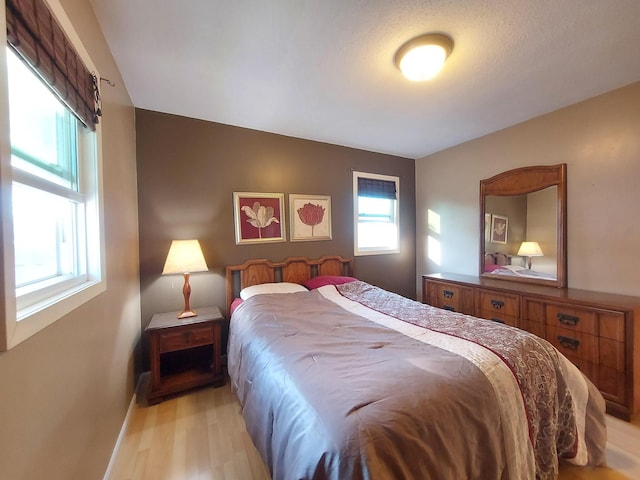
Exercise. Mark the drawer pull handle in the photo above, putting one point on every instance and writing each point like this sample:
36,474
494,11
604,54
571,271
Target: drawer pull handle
447,294
449,308
187,337
497,304
567,319
568,342
497,320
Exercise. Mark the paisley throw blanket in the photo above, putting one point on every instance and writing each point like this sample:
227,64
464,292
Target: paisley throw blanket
547,401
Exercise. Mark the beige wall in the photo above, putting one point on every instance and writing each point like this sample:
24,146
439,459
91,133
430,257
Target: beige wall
600,142
65,391
187,172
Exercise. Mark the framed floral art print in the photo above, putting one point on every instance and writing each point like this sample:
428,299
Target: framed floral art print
259,217
499,229
310,217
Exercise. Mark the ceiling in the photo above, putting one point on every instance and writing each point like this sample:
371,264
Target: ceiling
323,69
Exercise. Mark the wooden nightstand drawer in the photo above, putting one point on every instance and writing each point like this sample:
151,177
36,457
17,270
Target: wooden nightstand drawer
185,338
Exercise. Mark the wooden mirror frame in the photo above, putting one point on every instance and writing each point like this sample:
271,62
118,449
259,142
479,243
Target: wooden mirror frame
521,181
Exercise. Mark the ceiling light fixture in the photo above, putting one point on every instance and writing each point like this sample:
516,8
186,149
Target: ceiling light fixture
421,58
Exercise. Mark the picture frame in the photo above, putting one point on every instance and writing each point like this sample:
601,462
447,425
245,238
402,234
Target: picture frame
258,217
310,217
499,229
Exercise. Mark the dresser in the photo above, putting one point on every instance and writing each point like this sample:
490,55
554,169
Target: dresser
596,331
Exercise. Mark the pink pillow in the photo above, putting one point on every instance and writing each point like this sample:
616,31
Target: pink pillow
322,280
492,268
235,304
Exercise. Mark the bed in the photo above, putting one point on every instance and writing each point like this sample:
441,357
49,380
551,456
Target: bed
348,381
499,264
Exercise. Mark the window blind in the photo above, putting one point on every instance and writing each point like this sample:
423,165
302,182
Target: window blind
35,35
375,188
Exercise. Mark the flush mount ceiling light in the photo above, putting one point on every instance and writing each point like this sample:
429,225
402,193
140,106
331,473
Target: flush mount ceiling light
421,58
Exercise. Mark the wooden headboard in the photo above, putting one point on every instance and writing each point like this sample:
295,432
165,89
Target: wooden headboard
293,269
497,258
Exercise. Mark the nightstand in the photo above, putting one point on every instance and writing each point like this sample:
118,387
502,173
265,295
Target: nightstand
185,353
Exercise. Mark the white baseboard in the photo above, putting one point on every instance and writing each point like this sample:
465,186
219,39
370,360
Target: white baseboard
123,429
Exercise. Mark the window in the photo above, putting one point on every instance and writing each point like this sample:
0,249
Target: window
53,252
375,200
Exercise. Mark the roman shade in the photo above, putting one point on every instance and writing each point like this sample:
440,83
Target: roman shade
35,35
376,188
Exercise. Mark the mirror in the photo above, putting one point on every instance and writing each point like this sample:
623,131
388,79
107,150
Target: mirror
523,222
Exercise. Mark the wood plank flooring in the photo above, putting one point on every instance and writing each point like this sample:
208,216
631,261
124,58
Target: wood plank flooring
201,435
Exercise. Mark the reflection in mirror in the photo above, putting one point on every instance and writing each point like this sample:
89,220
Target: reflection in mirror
518,224
523,213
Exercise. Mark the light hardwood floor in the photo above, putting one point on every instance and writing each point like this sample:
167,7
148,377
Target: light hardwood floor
201,435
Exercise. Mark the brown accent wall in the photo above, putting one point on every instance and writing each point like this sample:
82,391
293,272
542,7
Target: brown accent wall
599,141
187,172
65,391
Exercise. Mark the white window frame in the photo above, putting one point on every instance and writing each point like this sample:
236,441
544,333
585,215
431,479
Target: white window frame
359,251
19,325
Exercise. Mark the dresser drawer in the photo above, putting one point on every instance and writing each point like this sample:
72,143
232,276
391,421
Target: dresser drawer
448,296
573,344
500,318
577,319
495,303
181,339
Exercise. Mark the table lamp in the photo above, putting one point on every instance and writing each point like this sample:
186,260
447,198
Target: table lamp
185,257
530,249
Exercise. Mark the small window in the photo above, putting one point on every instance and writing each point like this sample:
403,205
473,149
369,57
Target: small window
376,213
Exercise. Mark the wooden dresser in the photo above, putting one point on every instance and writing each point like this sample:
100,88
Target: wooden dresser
596,331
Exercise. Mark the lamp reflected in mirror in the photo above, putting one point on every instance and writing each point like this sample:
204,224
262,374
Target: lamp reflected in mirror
530,249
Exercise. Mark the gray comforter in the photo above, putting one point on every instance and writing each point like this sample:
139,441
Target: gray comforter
331,389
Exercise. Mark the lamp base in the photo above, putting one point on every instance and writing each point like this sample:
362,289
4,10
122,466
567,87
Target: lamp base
187,314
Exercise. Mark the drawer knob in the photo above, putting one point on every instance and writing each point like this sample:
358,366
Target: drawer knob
187,337
447,294
497,304
567,319
568,342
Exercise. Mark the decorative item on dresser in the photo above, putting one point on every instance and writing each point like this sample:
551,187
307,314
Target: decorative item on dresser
185,353
596,331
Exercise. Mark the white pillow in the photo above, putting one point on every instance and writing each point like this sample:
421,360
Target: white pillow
280,287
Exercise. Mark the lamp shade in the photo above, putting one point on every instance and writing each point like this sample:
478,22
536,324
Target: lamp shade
421,58
185,256
530,249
